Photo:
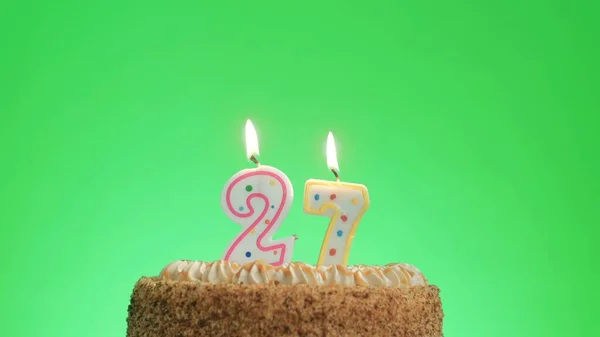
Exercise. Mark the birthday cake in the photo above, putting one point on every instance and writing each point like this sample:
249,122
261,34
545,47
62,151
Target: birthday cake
255,290
223,298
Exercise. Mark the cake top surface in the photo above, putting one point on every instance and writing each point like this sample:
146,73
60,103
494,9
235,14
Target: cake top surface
398,275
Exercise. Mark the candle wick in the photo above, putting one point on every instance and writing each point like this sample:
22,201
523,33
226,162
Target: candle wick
254,160
336,174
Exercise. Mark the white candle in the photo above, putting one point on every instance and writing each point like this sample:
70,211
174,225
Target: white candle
343,203
258,199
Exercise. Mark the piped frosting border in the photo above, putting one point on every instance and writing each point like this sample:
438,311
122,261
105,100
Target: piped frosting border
398,275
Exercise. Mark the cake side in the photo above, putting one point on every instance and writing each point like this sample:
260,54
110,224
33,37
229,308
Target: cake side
162,307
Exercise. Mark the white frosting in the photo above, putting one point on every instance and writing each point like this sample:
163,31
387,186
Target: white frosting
391,275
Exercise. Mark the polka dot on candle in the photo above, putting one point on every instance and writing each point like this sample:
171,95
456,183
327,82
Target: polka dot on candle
354,201
344,218
332,197
252,231
267,221
274,252
272,206
340,233
248,254
332,251
272,182
241,208
317,197
248,188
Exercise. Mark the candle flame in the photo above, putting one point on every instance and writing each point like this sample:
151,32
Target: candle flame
251,140
332,162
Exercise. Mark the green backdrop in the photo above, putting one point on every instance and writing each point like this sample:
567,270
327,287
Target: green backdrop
472,123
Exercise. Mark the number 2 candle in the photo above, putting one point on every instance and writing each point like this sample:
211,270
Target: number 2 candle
344,203
258,199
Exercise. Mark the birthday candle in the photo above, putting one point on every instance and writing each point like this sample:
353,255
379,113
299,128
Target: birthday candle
344,203
258,199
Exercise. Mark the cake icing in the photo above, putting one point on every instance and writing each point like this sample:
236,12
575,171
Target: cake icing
398,275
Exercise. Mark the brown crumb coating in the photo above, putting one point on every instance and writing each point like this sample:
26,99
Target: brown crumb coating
166,308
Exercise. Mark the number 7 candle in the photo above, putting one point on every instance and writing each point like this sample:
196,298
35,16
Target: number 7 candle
258,199
344,203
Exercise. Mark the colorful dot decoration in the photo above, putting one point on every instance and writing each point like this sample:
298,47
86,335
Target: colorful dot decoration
248,254
332,252
317,197
241,208
267,221
344,218
355,201
340,233
272,206
249,188
332,197
272,182
274,252
253,231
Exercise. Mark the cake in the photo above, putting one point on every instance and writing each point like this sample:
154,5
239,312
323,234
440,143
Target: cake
223,298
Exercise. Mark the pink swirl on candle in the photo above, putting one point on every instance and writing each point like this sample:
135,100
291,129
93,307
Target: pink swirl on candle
273,224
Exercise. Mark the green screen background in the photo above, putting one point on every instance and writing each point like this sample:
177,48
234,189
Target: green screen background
472,123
